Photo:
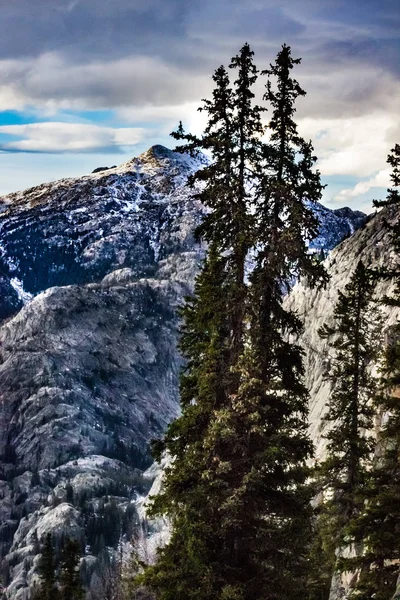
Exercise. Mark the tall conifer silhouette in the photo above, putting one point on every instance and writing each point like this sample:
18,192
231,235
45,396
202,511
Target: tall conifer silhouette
378,525
354,342
235,491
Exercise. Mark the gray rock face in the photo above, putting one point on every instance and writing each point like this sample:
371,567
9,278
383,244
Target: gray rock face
373,245
88,376
92,271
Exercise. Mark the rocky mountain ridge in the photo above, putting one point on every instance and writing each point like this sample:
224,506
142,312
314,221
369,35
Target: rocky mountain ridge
92,271
76,231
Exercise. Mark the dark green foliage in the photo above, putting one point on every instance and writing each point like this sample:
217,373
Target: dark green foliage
35,542
103,526
378,524
4,573
69,490
195,518
47,567
355,341
236,490
393,200
289,184
261,438
233,135
393,196
111,523
321,559
70,581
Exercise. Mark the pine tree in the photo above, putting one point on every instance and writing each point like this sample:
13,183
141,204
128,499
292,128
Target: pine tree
70,581
355,341
246,146
233,135
184,568
47,566
289,185
378,525
393,197
262,439
392,203
235,491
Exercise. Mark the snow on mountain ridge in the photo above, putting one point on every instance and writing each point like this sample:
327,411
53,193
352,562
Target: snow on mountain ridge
78,230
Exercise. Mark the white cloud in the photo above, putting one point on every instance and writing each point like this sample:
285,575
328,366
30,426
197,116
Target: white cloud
354,146
69,137
381,179
167,116
52,83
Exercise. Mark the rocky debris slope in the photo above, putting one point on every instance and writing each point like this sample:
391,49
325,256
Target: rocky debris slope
92,271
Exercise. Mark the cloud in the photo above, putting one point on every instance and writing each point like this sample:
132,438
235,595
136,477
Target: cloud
87,54
355,146
151,62
88,27
69,137
51,82
380,180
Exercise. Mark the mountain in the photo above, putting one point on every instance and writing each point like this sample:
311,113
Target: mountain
92,271
76,231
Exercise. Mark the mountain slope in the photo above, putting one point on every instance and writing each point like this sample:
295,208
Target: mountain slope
373,245
77,231
92,271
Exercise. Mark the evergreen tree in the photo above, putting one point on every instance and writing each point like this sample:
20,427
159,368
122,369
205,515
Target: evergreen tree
235,491
289,186
378,525
392,202
260,438
354,339
70,581
47,566
393,197
233,135
187,567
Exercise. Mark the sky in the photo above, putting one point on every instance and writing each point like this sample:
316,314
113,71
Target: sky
88,83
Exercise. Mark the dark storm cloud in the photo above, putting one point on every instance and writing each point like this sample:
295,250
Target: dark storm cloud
89,27
384,52
117,53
